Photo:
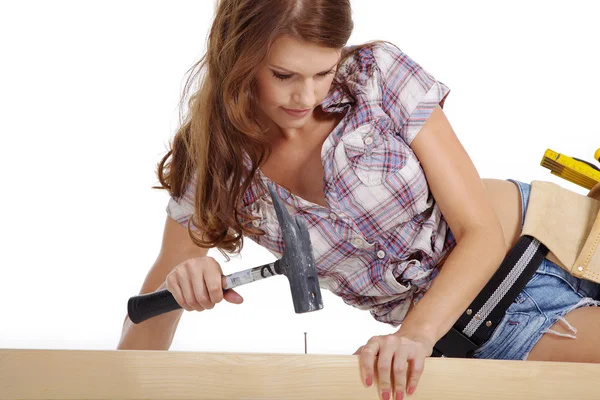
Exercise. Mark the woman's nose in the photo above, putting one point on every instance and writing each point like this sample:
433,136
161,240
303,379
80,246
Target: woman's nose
305,95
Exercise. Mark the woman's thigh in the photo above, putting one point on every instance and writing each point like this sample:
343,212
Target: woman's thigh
574,339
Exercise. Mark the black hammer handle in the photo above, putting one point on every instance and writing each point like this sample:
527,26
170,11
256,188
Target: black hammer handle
145,306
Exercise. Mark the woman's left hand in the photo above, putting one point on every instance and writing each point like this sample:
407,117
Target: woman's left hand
397,360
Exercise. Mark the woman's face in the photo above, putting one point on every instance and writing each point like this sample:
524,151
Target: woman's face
297,75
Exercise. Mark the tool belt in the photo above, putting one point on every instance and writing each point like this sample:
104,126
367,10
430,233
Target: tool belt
560,225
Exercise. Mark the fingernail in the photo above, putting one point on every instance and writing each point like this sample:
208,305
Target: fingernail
369,381
385,395
399,395
411,390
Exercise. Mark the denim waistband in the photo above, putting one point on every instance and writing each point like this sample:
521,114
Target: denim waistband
524,190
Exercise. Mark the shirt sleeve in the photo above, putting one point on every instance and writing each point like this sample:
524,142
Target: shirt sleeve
409,93
181,209
392,313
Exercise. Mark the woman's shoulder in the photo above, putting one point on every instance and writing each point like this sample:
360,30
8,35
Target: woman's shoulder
372,53
369,65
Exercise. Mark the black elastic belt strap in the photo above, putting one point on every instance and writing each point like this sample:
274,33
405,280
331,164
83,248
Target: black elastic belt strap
482,316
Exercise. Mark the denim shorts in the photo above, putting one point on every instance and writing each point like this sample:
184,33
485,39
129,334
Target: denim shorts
550,294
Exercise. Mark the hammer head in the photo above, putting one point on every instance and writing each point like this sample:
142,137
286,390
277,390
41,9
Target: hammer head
297,262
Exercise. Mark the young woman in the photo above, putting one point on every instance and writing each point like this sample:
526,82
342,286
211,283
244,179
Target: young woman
356,142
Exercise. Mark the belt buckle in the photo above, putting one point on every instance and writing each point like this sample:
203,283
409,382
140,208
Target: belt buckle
454,344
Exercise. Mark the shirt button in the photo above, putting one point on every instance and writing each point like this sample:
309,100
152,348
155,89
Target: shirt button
333,216
256,223
357,242
381,254
368,141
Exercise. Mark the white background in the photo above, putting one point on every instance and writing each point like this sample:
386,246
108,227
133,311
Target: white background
88,101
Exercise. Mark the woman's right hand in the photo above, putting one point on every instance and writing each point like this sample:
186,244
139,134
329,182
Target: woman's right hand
197,284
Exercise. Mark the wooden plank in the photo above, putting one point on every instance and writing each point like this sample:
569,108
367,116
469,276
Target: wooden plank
145,374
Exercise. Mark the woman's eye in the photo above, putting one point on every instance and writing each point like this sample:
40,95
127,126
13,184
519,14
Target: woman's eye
284,77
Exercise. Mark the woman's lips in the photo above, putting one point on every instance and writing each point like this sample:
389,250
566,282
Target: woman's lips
295,113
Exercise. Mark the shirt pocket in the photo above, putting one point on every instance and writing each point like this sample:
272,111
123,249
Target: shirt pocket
372,153
381,184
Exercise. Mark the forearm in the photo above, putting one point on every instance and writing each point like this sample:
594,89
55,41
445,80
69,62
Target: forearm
153,334
465,272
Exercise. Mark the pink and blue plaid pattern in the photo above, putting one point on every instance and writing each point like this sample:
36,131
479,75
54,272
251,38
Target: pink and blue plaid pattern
379,240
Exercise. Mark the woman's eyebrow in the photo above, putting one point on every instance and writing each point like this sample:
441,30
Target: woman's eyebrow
292,72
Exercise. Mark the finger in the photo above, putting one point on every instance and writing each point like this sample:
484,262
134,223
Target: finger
190,293
175,290
416,366
384,370
367,360
201,293
186,288
214,286
357,352
400,372
232,296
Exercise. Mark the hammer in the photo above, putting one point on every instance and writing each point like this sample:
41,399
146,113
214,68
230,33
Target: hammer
297,263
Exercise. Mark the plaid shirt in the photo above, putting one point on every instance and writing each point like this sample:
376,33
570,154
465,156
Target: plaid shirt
379,241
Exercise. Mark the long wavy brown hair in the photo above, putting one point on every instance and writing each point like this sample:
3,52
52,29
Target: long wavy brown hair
221,125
